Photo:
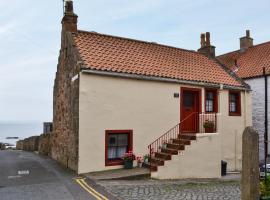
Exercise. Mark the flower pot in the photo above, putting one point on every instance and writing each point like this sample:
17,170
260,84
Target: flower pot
209,130
128,164
146,160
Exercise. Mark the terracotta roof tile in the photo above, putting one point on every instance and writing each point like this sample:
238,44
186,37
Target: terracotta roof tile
123,55
250,62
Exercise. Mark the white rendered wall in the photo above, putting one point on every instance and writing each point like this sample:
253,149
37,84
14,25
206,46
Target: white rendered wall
258,111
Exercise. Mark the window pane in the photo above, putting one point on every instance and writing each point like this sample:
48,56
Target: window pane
121,151
233,107
188,99
122,140
112,140
233,97
209,95
112,152
209,106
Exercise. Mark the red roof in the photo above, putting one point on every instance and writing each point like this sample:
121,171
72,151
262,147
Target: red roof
123,55
249,63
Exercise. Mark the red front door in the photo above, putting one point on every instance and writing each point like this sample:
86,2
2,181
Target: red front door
190,107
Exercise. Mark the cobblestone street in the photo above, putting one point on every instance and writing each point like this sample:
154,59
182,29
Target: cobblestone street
173,190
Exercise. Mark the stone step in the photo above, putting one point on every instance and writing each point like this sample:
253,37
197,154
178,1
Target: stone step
169,151
181,141
187,136
158,161
175,146
153,167
164,156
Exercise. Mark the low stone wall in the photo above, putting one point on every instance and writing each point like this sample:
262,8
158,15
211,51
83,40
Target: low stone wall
44,147
2,146
19,145
28,144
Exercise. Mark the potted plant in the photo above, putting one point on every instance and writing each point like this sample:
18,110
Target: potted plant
139,161
209,126
146,158
128,158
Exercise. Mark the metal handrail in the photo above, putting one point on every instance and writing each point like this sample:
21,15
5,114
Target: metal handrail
174,132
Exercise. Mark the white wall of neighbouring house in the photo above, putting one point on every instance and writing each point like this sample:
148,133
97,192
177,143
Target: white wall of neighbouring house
258,109
150,109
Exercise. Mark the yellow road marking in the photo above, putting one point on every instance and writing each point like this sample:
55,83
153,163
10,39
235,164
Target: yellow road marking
83,184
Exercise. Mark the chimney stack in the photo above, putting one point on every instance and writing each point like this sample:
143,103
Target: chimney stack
206,47
69,21
246,42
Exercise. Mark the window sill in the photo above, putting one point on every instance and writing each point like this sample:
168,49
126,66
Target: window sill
235,114
114,163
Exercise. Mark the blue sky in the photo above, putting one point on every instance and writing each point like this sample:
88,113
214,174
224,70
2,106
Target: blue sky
30,38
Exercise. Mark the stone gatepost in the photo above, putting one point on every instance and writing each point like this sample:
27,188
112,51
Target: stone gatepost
250,165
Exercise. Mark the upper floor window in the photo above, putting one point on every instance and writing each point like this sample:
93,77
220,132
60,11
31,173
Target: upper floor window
211,101
234,103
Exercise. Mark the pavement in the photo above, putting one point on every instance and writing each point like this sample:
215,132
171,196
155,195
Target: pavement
173,189
29,176
120,174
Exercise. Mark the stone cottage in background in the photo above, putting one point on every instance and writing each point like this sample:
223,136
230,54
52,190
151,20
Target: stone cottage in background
113,95
248,63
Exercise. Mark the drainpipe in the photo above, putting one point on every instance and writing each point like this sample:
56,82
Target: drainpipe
265,121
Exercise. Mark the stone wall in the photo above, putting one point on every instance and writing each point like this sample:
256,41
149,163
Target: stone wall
258,109
44,147
65,105
19,145
28,144
2,146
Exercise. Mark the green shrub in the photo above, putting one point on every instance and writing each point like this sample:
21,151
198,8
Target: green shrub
265,187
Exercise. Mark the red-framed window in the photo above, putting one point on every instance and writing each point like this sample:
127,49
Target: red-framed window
117,143
211,101
234,103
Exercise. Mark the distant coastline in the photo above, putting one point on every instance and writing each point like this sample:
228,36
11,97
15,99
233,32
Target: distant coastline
20,129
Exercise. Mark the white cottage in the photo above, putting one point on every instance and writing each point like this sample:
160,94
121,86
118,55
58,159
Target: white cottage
113,95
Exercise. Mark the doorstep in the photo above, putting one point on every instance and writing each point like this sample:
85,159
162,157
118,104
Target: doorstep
120,174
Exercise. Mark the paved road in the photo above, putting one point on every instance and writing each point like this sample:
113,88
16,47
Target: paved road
46,179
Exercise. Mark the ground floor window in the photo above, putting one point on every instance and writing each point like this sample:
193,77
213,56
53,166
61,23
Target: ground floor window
117,143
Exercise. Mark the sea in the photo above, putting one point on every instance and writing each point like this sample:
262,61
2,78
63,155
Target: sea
11,132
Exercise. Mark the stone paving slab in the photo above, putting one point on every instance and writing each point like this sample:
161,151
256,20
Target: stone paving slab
172,190
123,174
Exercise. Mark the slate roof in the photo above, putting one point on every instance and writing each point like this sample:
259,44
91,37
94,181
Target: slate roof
123,55
249,63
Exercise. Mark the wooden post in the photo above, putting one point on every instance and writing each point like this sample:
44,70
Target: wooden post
250,165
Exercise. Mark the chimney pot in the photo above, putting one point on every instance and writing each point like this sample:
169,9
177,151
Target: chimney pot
202,40
208,39
247,33
246,42
206,47
68,6
69,21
